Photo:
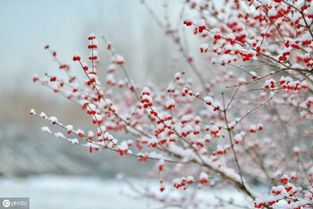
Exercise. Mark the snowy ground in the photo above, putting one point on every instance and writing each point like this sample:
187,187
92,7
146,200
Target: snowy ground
54,192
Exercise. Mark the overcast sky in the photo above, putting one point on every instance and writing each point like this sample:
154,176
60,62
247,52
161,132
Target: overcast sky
26,26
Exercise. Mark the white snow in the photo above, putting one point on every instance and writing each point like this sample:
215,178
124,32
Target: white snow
46,129
72,192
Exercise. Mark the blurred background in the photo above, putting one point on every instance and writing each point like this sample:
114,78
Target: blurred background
26,27
36,165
